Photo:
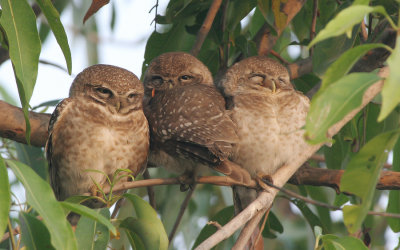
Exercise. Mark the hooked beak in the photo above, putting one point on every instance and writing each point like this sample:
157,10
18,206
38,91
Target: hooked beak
153,93
117,106
273,87
170,85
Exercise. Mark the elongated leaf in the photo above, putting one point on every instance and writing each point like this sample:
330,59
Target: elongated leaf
333,242
5,198
19,23
345,62
394,195
391,88
343,23
362,174
147,225
40,196
92,235
334,102
53,18
90,213
34,233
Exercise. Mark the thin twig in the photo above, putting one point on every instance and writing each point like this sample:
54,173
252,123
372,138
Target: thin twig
205,28
150,190
276,54
313,22
182,210
326,205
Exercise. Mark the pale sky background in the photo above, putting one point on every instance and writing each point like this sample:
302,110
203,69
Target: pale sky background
123,47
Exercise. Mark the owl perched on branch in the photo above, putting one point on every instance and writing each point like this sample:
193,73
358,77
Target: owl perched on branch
269,114
101,127
190,127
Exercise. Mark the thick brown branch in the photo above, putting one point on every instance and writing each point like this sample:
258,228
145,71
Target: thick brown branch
12,125
389,180
205,28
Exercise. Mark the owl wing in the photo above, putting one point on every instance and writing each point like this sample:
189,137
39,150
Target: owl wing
192,121
53,171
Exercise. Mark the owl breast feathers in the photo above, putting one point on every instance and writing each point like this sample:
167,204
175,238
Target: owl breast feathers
100,127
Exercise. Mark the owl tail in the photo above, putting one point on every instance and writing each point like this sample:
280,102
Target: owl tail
242,197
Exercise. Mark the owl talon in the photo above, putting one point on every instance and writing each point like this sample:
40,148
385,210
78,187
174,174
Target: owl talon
186,180
263,180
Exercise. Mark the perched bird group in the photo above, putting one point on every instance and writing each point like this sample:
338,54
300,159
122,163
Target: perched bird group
245,126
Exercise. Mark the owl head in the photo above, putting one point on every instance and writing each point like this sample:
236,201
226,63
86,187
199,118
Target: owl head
175,69
115,88
255,74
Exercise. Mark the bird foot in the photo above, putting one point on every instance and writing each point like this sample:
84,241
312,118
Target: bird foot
235,172
263,180
186,180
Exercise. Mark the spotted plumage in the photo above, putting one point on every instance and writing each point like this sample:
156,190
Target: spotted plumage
269,114
189,124
101,127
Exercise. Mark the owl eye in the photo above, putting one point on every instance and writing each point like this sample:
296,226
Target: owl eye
185,78
103,92
157,81
257,78
132,96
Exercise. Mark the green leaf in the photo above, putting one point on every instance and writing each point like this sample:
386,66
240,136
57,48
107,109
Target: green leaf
90,213
345,62
222,217
33,157
394,195
34,233
334,102
362,174
53,18
19,22
274,224
134,240
5,198
330,241
237,10
391,88
343,23
92,235
41,197
147,225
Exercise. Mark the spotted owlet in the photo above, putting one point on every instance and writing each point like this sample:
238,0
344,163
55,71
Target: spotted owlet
101,127
269,114
189,125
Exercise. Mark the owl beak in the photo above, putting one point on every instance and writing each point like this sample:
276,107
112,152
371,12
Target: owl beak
273,87
117,106
153,93
170,86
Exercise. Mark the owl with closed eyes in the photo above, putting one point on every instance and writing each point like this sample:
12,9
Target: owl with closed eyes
99,127
269,114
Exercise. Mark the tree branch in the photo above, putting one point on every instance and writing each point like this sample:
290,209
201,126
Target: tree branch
283,174
12,125
205,28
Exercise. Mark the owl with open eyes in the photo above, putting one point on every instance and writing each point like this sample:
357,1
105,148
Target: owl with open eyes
269,114
100,127
189,125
